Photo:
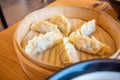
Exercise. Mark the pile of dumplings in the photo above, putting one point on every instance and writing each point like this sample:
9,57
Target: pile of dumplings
58,30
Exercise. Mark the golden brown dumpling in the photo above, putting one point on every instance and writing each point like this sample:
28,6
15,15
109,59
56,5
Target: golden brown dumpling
44,26
89,45
62,22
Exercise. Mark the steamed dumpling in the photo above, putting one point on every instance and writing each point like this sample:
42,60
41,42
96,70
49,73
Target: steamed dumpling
44,26
28,37
88,28
89,45
62,22
42,42
70,55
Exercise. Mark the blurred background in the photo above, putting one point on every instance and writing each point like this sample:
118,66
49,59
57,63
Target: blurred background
15,10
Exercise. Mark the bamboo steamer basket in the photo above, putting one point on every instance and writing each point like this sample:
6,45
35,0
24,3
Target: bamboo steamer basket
38,70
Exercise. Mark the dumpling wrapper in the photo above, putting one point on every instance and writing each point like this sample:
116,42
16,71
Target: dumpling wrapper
89,45
41,43
28,37
44,26
62,23
88,28
70,55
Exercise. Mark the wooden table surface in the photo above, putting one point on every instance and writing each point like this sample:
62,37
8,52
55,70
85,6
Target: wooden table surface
10,68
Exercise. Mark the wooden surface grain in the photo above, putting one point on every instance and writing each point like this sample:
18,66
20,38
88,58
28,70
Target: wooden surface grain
10,68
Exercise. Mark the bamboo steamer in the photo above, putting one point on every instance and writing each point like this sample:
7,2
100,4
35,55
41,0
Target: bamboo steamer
40,70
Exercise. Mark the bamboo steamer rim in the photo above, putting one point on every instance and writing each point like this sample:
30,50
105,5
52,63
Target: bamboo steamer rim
27,62
45,65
